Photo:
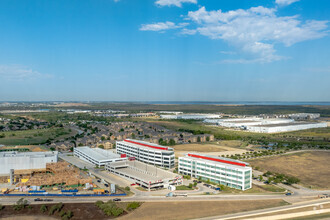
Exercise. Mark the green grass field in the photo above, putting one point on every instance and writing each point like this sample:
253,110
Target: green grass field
38,136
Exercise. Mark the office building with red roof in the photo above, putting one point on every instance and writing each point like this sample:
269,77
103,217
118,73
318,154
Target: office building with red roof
232,173
147,152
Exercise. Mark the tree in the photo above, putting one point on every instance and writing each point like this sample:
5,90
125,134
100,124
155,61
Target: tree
102,138
190,185
133,136
127,188
172,142
207,138
292,180
198,139
101,146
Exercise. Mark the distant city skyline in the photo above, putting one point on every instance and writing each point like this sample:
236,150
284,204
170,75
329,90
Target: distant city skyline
165,50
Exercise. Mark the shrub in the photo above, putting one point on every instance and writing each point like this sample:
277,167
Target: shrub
43,208
127,188
132,205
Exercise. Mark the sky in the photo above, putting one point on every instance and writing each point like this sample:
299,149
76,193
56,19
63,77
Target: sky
164,50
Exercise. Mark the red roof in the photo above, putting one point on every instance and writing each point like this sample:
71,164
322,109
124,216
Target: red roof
217,160
147,145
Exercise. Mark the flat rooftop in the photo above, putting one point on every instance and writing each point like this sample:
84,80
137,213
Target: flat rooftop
97,153
27,154
285,124
146,145
142,171
228,162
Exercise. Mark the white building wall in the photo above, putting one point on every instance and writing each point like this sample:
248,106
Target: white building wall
287,128
22,161
143,154
225,174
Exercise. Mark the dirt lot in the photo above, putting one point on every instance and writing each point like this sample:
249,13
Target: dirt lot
312,168
196,209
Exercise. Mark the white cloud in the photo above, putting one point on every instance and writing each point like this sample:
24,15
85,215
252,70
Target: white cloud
285,2
255,31
177,3
17,72
161,26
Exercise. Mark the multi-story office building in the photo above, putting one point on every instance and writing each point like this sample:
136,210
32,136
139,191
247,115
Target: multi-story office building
146,152
231,173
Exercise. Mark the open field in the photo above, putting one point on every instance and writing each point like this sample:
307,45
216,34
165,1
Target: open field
33,148
36,136
216,149
198,209
316,132
312,168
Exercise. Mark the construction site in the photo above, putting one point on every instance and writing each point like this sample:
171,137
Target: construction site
54,177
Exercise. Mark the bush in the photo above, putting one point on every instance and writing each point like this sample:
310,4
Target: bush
62,213
132,205
20,204
127,188
190,185
116,211
43,208
1,207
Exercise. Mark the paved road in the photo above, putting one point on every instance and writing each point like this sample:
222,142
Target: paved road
253,214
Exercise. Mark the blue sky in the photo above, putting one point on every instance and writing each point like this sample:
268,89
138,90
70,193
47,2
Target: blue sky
165,50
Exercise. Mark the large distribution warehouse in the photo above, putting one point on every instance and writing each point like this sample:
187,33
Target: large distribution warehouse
262,125
97,156
147,152
232,173
25,160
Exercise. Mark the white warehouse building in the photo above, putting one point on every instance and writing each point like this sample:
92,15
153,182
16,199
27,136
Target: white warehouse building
232,173
97,156
273,128
190,116
25,160
147,152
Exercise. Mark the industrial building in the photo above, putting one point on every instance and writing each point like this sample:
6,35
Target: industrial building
232,173
97,156
144,175
245,122
147,152
190,116
296,126
262,125
25,160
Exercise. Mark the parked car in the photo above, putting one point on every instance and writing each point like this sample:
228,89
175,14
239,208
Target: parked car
38,200
106,185
106,191
98,181
116,200
288,194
